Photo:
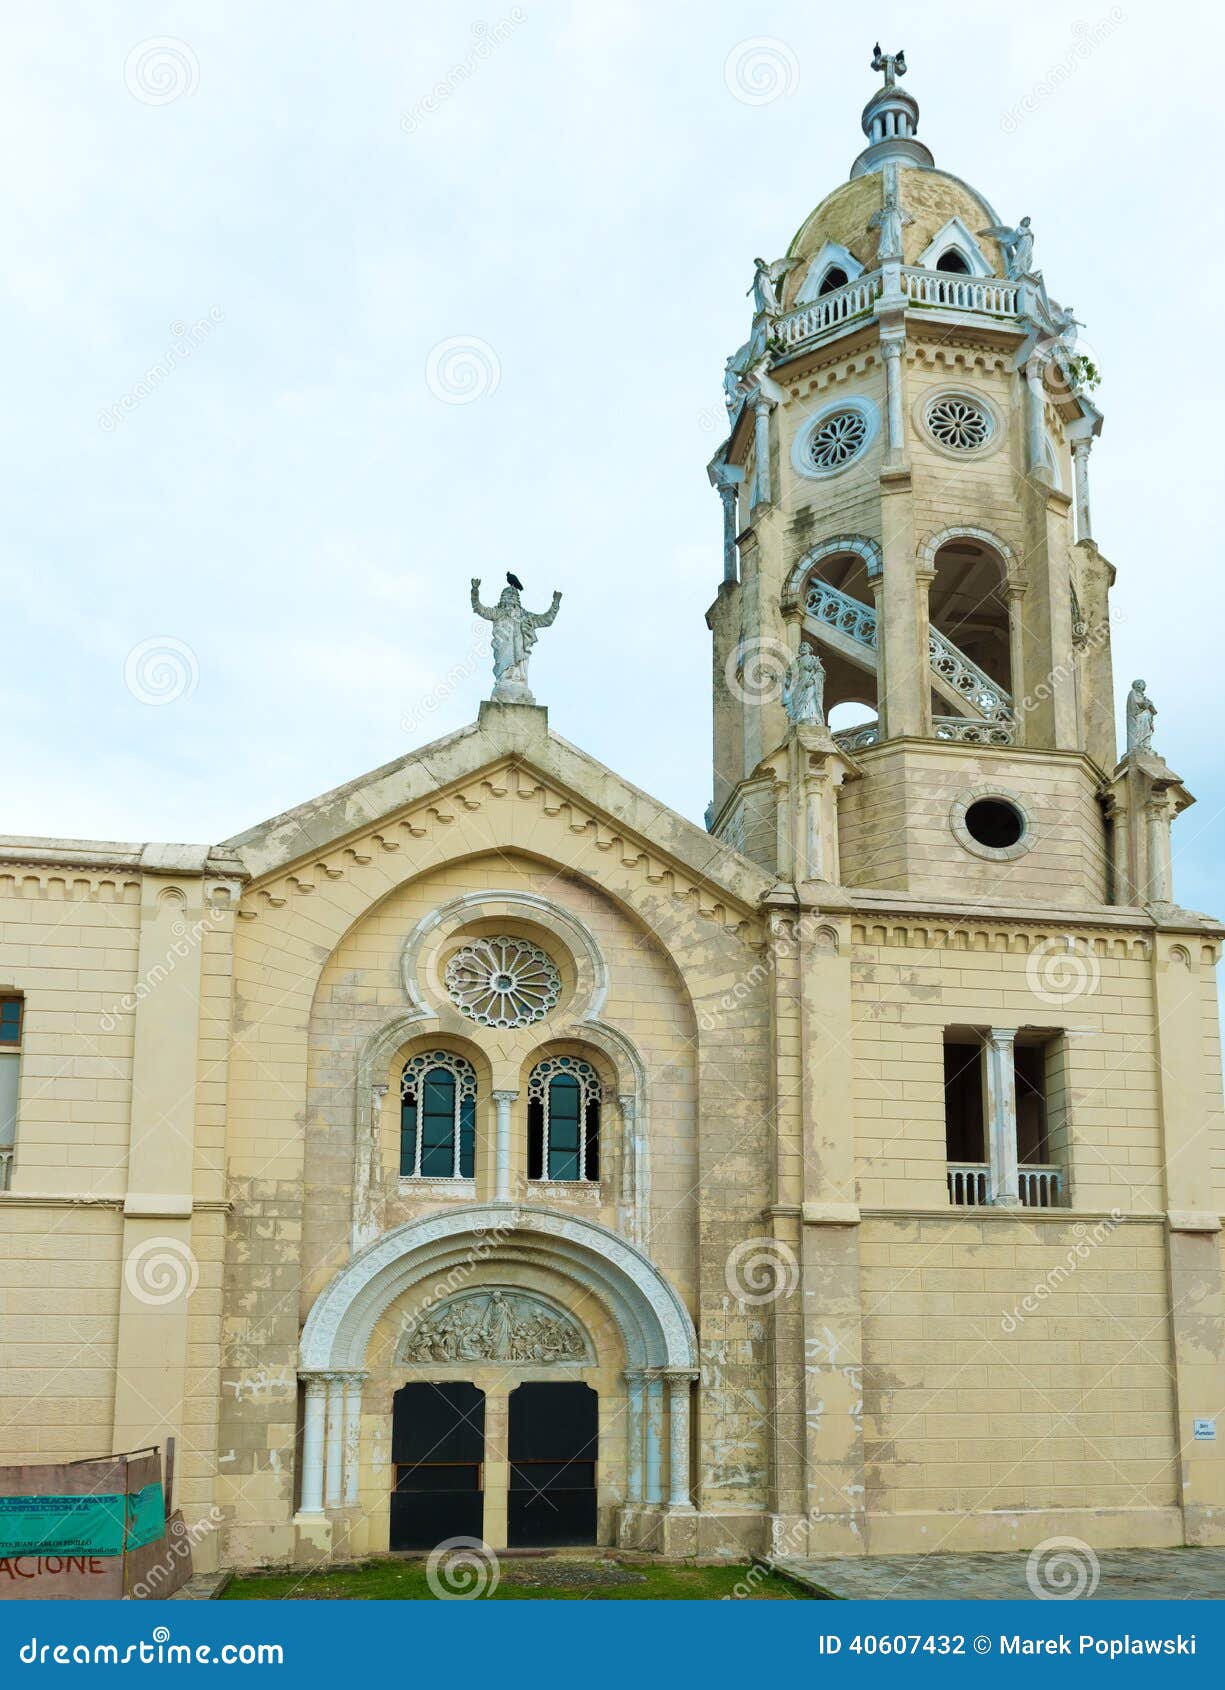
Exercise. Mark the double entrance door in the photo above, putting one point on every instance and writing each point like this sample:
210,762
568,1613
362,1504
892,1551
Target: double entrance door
438,1459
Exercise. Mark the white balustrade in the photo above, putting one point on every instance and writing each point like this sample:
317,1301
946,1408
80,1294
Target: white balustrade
839,610
968,1184
932,288
973,733
963,674
856,739
1041,1186
832,310
960,293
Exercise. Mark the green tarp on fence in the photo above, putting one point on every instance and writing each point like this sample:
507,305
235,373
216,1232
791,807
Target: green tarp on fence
81,1525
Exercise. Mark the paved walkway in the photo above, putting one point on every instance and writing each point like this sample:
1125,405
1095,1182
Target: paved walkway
1109,1575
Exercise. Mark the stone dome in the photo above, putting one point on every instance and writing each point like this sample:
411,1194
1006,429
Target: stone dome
930,197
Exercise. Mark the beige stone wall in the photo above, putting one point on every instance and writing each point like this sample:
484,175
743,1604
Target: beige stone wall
895,826
111,1232
912,981
317,970
980,1416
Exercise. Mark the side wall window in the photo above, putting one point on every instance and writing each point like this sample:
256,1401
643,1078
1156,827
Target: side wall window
11,1016
438,1117
563,1120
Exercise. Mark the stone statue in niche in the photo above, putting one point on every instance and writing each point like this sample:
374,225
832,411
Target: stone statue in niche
514,635
495,1326
804,688
1141,712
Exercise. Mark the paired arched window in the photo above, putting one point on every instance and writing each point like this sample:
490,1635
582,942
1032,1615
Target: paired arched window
563,1120
953,261
438,1117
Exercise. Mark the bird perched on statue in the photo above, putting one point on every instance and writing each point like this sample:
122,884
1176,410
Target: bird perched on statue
514,581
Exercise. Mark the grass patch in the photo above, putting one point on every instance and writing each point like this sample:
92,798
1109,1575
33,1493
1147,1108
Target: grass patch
523,1580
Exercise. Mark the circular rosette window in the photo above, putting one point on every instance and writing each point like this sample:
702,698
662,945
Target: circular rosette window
502,982
960,422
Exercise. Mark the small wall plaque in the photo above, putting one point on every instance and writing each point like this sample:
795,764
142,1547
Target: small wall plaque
1205,1431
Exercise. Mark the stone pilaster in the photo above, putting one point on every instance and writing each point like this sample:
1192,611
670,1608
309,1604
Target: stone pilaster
1185,1001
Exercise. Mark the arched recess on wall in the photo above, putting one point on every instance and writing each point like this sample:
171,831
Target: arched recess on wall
973,602
655,1329
581,1021
844,638
650,1315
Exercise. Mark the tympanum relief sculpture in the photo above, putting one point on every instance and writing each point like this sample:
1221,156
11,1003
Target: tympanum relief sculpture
494,1326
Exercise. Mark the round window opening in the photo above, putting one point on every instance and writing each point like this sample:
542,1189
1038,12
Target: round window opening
959,423
838,439
503,981
995,823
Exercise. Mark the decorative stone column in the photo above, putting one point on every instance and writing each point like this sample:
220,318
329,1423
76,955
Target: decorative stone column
654,1418
633,1168
312,1444
923,579
731,561
335,1438
502,1101
635,1379
353,1435
892,346
1000,1113
1035,412
679,1382
1016,655
762,406
1080,470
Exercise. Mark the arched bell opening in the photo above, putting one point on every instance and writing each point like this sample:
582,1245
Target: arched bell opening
968,606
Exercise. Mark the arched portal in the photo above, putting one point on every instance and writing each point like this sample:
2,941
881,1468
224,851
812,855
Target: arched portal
479,1246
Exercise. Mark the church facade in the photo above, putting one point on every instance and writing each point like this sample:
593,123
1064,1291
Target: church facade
484,1150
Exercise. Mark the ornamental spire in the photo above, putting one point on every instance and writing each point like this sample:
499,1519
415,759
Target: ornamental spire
890,120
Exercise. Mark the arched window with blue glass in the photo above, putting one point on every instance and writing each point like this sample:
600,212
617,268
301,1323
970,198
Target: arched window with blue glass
438,1117
563,1120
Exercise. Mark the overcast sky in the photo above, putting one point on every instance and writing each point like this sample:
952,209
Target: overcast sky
438,291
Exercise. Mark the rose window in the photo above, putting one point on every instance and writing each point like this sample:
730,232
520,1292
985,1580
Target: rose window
961,424
503,982
838,440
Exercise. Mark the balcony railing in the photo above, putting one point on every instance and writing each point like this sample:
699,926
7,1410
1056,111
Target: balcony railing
966,678
973,733
933,289
839,610
1040,1185
833,309
856,739
967,1184
960,293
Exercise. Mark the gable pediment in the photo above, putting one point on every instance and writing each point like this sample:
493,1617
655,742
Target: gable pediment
468,793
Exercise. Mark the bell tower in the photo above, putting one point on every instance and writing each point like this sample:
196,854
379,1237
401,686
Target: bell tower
905,493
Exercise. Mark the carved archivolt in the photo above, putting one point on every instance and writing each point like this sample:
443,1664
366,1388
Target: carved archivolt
655,1326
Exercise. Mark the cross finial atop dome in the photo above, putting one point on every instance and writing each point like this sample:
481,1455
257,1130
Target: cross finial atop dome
890,119
893,64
